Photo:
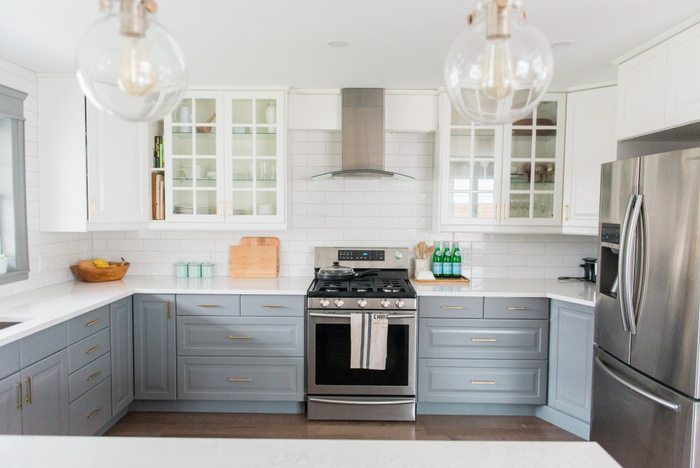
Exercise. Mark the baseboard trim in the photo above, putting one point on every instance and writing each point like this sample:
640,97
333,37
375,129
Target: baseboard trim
564,421
475,409
189,406
115,419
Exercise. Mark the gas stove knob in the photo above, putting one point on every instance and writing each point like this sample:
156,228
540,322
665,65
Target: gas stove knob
399,303
385,303
362,303
325,302
339,302
398,255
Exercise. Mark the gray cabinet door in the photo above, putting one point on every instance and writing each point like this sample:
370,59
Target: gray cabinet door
122,335
154,347
571,359
46,409
11,405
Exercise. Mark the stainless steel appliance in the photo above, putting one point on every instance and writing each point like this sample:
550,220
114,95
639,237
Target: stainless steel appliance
646,379
381,285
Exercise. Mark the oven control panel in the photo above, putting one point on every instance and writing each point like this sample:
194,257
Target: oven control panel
361,255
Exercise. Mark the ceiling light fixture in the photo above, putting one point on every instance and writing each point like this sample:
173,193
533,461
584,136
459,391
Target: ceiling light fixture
338,44
128,65
562,44
499,68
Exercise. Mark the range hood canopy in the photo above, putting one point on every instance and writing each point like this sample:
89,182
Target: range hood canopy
362,136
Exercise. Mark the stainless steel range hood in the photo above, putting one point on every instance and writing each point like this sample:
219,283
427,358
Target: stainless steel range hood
362,136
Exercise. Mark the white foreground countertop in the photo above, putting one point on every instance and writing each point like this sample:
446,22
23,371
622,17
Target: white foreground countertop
128,452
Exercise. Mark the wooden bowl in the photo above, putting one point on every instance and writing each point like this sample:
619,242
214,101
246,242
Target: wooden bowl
114,272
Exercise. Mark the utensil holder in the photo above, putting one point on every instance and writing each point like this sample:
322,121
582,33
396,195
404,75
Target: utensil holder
421,264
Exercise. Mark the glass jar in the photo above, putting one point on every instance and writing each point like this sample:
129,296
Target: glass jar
181,270
194,270
208,270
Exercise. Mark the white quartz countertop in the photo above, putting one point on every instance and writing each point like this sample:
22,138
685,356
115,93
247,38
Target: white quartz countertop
127,452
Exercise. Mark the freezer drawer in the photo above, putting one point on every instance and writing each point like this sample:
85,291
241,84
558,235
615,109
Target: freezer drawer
638,421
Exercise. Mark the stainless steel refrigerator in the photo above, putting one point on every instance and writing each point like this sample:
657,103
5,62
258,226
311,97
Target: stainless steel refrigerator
646,377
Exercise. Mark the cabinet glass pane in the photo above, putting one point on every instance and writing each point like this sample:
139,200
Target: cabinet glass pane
205,110
543,205
242,141
484,205
483,177
242,203
242,111
519,205
546,144
266,203
459,205
182,202
459,119
521,147
206,141
266,173
266,142
460,177
484,143
544,176
206,202
547,113
520,175
183,112
242,173
206,172
182,173
182,141
460,143
266,111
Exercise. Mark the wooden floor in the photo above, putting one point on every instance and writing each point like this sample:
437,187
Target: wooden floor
295,426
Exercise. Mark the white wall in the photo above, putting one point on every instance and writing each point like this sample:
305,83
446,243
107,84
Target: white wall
356,213
50,254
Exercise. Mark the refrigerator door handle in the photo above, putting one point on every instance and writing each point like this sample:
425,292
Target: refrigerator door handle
622,262
666,404
631,253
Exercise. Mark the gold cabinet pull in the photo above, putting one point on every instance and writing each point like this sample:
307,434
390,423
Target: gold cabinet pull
239,337
451,307
20,394
484,340
92,323
170,311
93,376
482,382
273,306
516,308
239,379
93,349
93,413
29,390
208,305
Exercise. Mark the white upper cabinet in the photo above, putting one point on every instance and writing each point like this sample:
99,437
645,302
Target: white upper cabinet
590,142
314,111
683,79
98,186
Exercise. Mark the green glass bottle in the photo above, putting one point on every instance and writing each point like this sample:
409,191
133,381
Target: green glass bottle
446,261
437,261
456,261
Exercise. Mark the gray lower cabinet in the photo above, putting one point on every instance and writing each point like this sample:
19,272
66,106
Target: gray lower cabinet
45,387
571,359
154,347
11,400
122,336
91,411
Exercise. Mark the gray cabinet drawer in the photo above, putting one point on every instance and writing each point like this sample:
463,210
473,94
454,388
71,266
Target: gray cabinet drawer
208,304
451,307
240,336
225,378
88,350
87,324
272,306
9,359
516,307
483,339
42,344
87,377
482,381
90,412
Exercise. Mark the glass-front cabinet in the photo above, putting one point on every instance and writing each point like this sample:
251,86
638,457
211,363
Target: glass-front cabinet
502,175
225,158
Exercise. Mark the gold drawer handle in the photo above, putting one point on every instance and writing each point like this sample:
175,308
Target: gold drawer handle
208,305
482,382
93,376
92,323
239,337
239,379
484,340
30,390
94,412
273,306
93,349
451,307
20,393
516,308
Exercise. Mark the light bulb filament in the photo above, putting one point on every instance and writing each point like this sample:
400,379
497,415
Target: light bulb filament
497,70
136,74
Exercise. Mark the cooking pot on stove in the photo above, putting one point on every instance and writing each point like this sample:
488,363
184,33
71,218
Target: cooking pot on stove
340,272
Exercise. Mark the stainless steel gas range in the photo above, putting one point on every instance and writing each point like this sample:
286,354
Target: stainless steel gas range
378,285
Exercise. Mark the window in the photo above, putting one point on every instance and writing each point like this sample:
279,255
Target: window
14,259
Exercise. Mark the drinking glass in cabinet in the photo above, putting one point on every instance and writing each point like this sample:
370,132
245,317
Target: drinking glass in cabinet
520,176
183,112
544,176
266,203
242,141
182,172
266,173
242,111
519,205
206,202
242,173
206,141
182,141
543,206
182,202
242,203
205,111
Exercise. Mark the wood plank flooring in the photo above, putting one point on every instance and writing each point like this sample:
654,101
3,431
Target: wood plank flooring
295,426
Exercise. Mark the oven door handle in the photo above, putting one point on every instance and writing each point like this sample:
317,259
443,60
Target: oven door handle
389,316
362,402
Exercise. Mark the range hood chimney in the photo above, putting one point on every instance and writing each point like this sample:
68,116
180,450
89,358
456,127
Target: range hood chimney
362,136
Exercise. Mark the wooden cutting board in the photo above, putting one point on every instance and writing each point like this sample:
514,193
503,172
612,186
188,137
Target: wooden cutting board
255,257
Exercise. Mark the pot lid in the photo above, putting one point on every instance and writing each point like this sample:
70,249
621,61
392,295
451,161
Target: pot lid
336,270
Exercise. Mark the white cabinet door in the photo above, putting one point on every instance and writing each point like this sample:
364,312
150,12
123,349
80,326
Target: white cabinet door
642,93
410,111
317,111
117,161
590,142
683,78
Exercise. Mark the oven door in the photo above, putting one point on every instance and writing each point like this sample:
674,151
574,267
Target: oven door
329,371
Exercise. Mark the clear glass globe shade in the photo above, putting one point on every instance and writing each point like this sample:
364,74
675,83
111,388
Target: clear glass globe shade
135,78
498,81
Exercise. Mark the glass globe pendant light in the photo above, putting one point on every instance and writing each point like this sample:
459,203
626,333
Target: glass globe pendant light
129,66
499,68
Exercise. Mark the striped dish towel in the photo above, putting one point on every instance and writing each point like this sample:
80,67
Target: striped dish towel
368,335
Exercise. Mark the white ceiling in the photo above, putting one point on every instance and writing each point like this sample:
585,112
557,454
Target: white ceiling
393,43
